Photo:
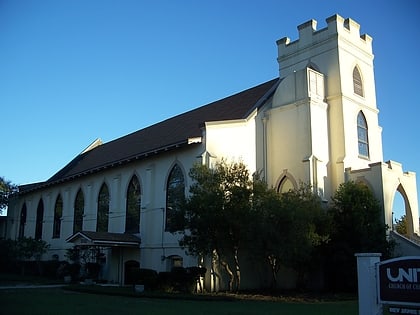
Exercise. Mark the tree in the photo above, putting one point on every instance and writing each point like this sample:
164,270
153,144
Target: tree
293,226
401,225
267,218
358,226
217,214
27,248
6,189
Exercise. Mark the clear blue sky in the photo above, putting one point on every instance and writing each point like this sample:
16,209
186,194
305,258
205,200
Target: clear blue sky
73,71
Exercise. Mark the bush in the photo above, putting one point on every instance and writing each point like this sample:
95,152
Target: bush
50,268
147,277
179,279
74,271
92,270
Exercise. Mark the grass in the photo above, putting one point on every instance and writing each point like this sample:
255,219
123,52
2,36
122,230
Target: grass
91,300
59,301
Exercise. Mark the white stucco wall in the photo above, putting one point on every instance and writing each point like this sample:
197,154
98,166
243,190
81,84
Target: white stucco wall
233,141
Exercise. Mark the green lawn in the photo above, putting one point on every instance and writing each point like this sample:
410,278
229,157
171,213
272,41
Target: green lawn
59,301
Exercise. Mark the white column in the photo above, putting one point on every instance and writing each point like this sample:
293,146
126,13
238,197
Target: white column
367,283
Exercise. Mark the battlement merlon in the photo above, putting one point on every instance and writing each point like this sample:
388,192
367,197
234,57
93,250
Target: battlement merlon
336,25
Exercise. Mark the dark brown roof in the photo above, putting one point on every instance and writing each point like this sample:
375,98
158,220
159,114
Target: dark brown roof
166,135
105,238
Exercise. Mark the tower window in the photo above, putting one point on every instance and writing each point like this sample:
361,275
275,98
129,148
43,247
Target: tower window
357,82
362,135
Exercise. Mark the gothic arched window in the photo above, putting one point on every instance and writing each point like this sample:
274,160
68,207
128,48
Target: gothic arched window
132,215
58,213
39,220
175,196
79,209
285,185
103,209
357,82
362,135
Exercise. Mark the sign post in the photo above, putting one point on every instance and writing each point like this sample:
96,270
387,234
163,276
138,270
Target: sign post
366,277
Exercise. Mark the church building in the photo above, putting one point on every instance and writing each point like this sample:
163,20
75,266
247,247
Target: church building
316,123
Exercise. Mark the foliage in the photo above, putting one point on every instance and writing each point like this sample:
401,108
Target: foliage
358,226
15,252
228,213
7,250
147,277
83,254
27,248
295,220
217,214
401,225
6,189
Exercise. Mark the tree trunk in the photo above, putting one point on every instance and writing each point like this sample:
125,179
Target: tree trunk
229,272
237,269
215,277
272,260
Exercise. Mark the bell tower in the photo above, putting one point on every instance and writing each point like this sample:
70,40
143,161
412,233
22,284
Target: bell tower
345,60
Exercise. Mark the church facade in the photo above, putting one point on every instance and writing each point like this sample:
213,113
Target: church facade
316,123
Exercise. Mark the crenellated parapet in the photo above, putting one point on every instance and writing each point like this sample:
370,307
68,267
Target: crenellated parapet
337,26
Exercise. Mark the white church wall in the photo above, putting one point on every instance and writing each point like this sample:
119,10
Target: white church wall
233,141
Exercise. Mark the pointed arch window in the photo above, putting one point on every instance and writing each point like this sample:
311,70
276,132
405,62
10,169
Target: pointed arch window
39,220
22,222
357,82
175,196
58,213
286,185
362,135
132,215
79,209
103,209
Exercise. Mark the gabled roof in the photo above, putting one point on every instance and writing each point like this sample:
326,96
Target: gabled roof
169,134
88,238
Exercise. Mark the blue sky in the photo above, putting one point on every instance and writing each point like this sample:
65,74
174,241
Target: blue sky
73,71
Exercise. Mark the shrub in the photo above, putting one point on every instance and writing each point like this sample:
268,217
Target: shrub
147,277
179,279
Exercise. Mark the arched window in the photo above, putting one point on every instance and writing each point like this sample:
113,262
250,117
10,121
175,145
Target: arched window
175,196
103,209
79,209
22,222
362,135
285,185
132,215
39,220
357,82
58,213
174,261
